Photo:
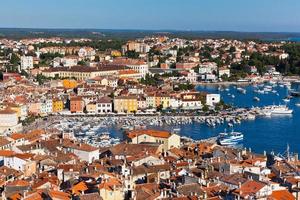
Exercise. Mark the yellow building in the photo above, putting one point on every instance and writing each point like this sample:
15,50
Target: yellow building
151,101
111,189
57,105
69,83
91,108
164,101
127,104
16,108
116,53
165,138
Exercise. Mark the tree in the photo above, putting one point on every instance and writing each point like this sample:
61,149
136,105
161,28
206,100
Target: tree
132,54
14,59
205,108
24,73
82,63
40,79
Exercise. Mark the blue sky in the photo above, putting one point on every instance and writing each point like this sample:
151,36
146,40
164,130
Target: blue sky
233,15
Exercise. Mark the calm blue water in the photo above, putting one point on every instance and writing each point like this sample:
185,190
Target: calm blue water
264,133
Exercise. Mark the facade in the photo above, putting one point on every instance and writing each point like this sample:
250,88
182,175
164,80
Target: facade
224,71
76,105
212,99
166,139
186,65
46,106
8,120
57,105
82,72
26,62
125,104
104,105
69,83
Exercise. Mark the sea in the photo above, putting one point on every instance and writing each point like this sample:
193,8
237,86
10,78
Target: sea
270,134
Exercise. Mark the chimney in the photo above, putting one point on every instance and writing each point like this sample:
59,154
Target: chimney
205,195
296,157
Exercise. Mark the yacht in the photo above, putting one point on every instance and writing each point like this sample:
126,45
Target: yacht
297,104
241,90
256,99
280,110
286,100
231,138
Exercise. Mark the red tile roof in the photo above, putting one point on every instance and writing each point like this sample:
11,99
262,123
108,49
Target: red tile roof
150,132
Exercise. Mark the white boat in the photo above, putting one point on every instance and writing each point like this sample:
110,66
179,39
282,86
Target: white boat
297,104
286,100
241,90
230,138
279,110
256,99
90,133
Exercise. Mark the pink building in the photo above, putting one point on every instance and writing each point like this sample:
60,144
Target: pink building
186,65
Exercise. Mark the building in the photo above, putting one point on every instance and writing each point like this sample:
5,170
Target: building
23,162
76,104
9,120
26,62
82,72
165,138
186,65
91,107
104,105
208,68
224,71
212,99
57,105
69,83
46,106
69,61
125,104
135,64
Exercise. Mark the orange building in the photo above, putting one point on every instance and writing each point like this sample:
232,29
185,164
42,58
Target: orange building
76,104
69,83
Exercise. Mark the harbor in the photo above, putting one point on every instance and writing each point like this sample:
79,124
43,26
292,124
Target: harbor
261,121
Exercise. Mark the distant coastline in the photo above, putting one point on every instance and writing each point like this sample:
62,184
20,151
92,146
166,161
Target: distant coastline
17,33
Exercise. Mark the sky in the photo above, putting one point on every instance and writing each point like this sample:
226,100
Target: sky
202,15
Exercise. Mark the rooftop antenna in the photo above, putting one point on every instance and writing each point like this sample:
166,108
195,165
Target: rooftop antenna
288,151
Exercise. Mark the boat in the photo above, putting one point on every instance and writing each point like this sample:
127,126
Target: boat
241,90
279,110
286,100
256,99
297,104
231,138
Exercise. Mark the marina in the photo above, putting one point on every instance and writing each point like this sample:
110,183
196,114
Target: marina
261,122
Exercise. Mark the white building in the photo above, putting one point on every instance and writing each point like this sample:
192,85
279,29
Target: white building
86,152
175,103
192,76
104,105
191,104
224,71
207,68
8,120
46,106
212,99
26,62
69,61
